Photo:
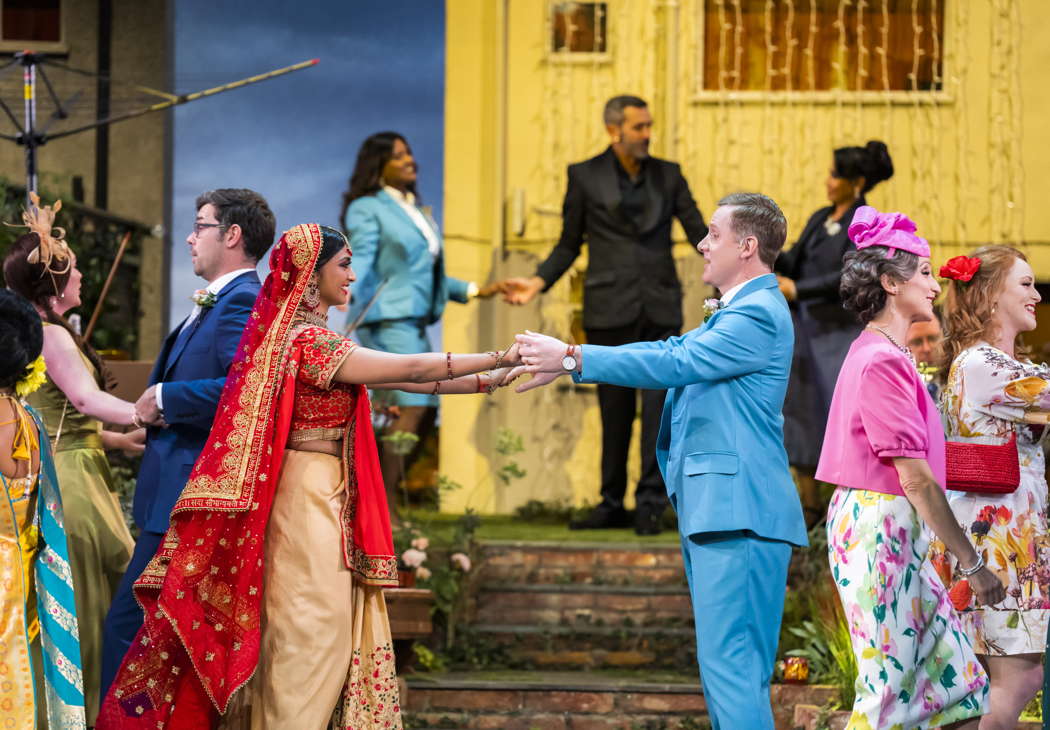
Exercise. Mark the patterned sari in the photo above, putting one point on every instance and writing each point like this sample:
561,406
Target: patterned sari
37,638
202,593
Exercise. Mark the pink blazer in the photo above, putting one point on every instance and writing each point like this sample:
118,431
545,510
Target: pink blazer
881,409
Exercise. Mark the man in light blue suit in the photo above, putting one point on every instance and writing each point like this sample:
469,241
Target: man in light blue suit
721,451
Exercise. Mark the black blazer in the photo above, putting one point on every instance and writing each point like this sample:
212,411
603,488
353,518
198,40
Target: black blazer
828,257
631,269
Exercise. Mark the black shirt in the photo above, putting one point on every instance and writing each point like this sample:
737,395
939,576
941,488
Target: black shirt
634,197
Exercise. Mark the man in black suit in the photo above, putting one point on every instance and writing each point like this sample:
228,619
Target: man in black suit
622,203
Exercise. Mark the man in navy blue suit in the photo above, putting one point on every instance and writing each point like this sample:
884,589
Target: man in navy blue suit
233,230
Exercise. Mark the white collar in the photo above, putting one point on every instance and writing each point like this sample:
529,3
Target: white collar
216,287
728,296
397,195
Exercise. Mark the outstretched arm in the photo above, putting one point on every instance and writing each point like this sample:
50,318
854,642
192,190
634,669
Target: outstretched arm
740,342
486,382
375,368
74,380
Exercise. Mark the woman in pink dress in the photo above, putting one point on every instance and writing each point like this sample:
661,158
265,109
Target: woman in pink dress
884,448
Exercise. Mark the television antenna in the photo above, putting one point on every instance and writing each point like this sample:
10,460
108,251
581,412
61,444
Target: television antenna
32,137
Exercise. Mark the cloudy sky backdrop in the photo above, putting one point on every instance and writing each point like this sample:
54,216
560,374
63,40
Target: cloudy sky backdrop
294,138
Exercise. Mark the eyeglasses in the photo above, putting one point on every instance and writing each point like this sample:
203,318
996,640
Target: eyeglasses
198,227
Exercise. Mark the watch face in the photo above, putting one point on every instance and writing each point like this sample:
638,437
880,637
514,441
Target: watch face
568,362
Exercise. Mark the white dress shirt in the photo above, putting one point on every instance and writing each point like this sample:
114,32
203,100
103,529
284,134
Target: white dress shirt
728,296
214,287
407,202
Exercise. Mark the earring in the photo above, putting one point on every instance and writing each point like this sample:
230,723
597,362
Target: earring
312,294
616,139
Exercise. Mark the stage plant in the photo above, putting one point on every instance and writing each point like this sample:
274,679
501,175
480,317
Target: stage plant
449,565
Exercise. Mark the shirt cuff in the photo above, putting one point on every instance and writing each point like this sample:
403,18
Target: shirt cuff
472,290
160,399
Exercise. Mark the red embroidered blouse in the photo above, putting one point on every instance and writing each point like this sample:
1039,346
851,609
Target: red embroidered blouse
322,409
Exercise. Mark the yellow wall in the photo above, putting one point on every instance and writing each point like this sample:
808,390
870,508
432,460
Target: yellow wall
968,171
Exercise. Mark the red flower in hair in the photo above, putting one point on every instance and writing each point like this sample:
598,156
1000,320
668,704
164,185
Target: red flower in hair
960,268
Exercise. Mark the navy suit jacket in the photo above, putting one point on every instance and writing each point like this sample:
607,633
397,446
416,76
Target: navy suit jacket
193,378
721,442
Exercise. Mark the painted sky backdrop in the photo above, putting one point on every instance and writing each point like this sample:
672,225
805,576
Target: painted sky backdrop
294,139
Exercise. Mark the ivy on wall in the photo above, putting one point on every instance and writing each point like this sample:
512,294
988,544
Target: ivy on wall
95,237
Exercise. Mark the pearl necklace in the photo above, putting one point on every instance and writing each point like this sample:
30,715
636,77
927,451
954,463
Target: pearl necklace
896,344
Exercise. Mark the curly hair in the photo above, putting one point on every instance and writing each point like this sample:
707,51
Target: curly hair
968,305
862,271
21,337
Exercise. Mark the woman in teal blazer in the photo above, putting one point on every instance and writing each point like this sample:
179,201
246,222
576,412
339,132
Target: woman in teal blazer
399,260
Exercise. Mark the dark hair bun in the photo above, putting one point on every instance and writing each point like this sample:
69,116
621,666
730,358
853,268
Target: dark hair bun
880,166
21,337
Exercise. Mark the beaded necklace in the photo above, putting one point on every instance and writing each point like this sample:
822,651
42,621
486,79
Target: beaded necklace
896,344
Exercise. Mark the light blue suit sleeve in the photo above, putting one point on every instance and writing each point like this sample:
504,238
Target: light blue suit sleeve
740,341
457,289
363,226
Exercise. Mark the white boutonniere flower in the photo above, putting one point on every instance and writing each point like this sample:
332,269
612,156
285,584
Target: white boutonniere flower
711,306
203,298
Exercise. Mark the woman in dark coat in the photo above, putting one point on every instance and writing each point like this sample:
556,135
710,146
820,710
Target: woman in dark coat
809,274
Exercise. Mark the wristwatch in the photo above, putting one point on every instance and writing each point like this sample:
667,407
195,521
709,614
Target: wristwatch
569,361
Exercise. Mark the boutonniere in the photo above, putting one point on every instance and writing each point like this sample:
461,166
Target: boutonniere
927,372
711,306
203,298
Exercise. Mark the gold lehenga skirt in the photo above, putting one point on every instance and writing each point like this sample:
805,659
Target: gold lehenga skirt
326,658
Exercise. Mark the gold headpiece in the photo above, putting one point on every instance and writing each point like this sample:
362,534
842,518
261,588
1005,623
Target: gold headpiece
53,252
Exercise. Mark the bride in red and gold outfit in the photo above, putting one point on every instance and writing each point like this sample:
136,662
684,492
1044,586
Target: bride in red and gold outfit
268,584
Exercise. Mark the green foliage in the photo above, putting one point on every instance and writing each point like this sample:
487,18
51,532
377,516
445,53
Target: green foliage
826,644
95,238
400,442
428,660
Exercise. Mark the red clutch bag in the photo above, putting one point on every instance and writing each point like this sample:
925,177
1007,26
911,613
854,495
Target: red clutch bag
983,468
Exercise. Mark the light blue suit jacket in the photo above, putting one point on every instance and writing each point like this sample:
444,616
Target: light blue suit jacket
387,245
721,442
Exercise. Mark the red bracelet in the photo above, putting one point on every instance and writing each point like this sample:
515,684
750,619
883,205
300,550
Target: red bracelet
448,362
480,386
437,387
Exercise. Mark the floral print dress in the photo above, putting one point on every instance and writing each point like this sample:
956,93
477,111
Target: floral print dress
986,397
916,667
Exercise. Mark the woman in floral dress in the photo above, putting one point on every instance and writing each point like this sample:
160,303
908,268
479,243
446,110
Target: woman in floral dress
991,387
884,448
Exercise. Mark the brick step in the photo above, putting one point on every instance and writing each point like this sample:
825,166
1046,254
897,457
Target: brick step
598,563
577,701
552,701
584,603
594,647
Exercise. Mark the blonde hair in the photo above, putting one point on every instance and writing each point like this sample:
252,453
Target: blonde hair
968,305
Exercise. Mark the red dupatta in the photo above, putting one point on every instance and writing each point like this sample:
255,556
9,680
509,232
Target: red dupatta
202,592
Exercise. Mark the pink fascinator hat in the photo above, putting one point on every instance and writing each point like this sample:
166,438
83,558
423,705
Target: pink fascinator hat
892,230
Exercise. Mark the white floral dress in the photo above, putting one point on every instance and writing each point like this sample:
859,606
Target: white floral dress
986,397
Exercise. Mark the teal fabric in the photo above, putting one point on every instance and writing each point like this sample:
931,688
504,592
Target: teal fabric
387,246
59,640
405,337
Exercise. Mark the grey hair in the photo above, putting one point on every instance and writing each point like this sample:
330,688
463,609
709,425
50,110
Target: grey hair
613,114
861,285
758,215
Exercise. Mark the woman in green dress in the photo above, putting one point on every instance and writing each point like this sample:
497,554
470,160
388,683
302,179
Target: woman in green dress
73,404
